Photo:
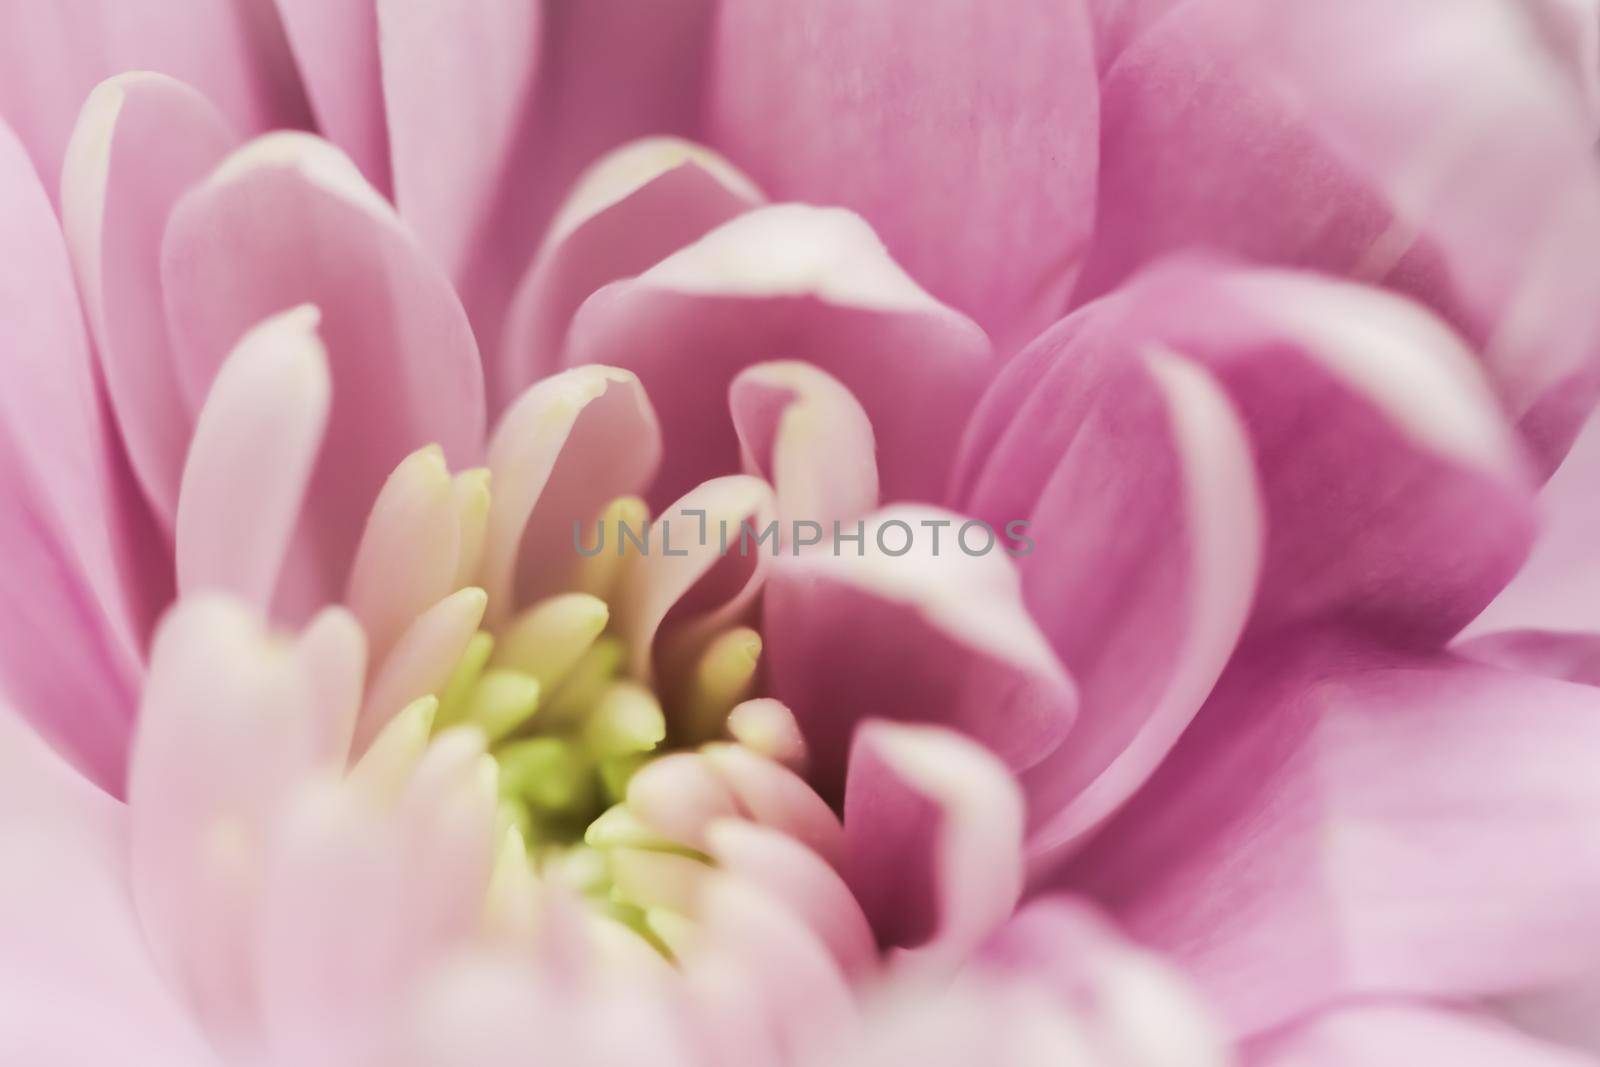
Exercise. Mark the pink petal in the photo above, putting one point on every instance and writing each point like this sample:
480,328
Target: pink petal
933,827
945,110
288,220
567,447
1271,129
1149,544
1379,1035
255,445
82,567
803,432
1559,586
1573,657
1340,822
70,945
421,661
141,142
54,54
227,730
933,635
690,324
627,211
335,45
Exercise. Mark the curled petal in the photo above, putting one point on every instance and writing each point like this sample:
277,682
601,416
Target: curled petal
627,211
141,142
795,282
933,828
906,624
805,434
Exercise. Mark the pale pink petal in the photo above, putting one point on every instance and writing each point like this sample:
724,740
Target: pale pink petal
333,653
82,570
335,46
1314,135
630,209
141,142
567,447
701,574
1341,822
71,949
227,731
410,550
288,220
947,111
933,828
1148,548
52,55
906,627
421,661
1573,657
1571,30
1387,1035
255,446
773,796
793,282
805,434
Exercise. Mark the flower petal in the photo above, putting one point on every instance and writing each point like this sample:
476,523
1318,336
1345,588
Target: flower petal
288,220
944,109
627,211
70,944
1270,129
1377,1035
81,569
255,446
335,48
805,283
929,634
565,449
141,142
933,827
803,432
52,55
1343,822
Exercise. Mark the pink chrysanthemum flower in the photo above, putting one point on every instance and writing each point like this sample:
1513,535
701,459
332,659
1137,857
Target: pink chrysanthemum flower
824,533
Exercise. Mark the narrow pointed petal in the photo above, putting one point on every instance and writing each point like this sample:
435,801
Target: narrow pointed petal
627,211
286,220
564,450
933,827
55,54
76,582
141,142
256,443
797,87
811,284
1342,822
422,660
805,434
900,629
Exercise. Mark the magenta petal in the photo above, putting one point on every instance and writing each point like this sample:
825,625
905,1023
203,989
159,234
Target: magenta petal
691,323
52,55
929,636
630,209
142,141
798,87
1271,129
1383,1035
1340,822
288,220
70,945
76,576
933,836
